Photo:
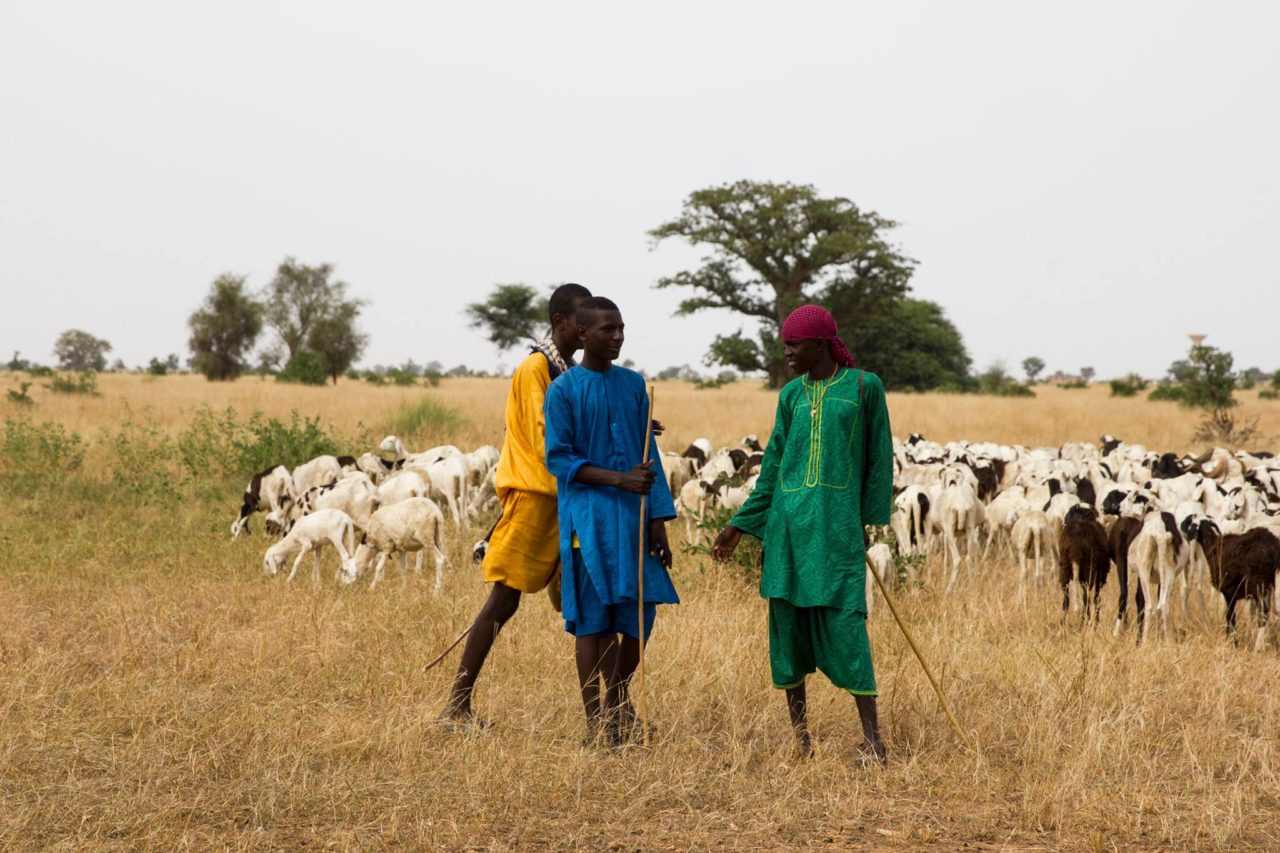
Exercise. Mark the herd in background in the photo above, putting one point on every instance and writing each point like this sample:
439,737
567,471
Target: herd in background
370,508
1193,523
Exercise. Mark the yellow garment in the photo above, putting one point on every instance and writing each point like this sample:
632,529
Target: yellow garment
522,464
524,549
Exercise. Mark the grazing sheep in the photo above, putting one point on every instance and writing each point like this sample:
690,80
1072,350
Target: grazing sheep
1244,566
357,497
321,471
1158,558
401,486
1082,556
910,519
270,489
309,535
1119,538
1033,534
959,515
413,526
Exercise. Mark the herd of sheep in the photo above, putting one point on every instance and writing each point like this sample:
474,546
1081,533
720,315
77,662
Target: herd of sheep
1192,523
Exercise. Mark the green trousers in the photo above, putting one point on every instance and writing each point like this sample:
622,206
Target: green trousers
805,639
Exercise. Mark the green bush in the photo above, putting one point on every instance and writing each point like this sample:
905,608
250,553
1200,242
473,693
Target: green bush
1264,394
143,460
20,396
305,368
32,454
156,367
427,419
1167,391
81,383
374,378
41,371
219,444
1129,386
747,557
997,382
1074,385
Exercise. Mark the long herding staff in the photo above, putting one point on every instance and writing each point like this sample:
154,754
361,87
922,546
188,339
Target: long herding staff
644,460
946,706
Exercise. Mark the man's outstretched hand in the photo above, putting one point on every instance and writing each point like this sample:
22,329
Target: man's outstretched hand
639,480
725,544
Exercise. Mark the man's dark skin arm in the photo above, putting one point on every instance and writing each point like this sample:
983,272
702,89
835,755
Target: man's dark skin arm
639,480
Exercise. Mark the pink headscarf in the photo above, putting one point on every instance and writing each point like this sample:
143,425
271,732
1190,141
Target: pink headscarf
810,322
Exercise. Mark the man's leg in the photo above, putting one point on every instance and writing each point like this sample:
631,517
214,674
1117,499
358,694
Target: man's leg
498,608
872,745
595,655
797,708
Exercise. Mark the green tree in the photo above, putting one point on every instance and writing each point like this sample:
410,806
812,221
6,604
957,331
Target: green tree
773,247
1087,373
298,297
79,350
304,367
336,340
510,315
1211,382
1032,366
911,345
223,331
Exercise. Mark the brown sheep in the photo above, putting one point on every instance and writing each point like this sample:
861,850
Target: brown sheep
1120,537
1243,565
1082,555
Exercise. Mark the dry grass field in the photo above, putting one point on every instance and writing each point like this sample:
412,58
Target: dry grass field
158,691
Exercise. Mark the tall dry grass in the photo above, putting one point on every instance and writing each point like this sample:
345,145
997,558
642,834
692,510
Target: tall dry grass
157,691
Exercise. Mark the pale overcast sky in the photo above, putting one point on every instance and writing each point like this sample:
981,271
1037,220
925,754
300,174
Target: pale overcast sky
1086,182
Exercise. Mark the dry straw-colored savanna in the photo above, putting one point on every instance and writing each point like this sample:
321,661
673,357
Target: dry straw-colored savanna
158,691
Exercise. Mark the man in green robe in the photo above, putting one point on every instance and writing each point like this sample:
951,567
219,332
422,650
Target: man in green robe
827,471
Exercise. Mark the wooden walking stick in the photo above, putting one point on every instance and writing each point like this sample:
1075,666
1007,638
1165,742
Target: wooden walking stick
641,702
946,706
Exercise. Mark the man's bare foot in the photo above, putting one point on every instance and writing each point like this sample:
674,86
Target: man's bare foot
460,719
804,745
871,755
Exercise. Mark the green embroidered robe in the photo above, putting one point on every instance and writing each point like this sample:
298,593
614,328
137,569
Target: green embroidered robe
823,477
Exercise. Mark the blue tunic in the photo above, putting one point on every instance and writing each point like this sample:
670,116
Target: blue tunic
597,418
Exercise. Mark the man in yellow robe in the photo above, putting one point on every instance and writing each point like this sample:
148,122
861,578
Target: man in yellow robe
524,548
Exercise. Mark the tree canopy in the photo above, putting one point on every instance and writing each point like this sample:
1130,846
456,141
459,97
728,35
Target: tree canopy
510,315
911,345
336,340
774,246
76,349
298,297
223,330
1032,366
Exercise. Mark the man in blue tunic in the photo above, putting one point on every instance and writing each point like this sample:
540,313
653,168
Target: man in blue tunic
595,430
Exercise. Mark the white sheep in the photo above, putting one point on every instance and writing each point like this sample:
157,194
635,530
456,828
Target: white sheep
320,471
357,496
309,535
270,489
409,526
1033,534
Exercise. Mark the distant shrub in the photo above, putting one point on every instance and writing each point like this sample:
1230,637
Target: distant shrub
1074,385
996,381
34,453
1129,386
220,444
425,418
79,383
156,367
304,368
1168,392
20,396
375,378
41,371
143,460
1264,394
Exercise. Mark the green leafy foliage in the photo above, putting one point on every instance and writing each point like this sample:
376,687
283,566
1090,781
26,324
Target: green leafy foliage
510,315
85,383
1129,386
1166,392
310,310
425,421
305,368
747,557
33,454
995,380
1264,394
774,246
223,330
220,444
143,460
912,346
1032,366
80,351
20,395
